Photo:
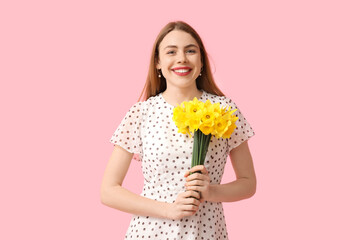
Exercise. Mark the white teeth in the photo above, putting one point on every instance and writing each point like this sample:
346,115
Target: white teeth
182,70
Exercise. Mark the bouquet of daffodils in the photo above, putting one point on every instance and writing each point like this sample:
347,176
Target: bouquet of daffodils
204,120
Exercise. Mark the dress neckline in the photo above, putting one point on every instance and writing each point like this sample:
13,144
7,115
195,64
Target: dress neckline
172,106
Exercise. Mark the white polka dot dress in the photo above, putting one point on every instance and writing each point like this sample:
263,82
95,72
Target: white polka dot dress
149,132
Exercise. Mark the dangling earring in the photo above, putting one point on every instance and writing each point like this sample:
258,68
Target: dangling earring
200,72
159,74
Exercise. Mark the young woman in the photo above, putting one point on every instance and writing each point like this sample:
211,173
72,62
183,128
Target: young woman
173,203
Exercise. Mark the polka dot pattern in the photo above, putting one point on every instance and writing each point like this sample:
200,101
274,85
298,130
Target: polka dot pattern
147,130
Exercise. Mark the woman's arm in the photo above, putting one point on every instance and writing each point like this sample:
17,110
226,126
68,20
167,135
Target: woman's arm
243,187
245,184
115,196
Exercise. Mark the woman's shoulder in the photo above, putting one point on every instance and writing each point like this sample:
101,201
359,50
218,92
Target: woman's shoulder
144,105
223,100
148,102
151,102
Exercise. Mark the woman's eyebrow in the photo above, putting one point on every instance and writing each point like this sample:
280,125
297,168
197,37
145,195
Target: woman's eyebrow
187,46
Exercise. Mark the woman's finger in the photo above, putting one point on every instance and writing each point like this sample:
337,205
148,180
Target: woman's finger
189,207
200,168
195,183
194,194
195,188
197,177
192,200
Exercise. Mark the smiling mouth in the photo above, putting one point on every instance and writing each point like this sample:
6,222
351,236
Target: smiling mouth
182,70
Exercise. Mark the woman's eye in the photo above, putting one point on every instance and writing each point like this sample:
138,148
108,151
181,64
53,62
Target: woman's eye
190,51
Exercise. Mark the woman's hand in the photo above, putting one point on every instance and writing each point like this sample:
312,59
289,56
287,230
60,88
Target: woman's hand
198,181
186,204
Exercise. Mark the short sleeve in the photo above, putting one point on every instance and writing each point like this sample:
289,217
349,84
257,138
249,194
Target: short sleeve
243,130
128,133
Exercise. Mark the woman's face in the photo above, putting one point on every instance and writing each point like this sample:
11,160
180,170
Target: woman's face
179,59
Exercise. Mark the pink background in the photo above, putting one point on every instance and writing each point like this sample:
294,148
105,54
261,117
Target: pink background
70,70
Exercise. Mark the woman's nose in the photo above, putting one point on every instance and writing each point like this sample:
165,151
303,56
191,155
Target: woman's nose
182,57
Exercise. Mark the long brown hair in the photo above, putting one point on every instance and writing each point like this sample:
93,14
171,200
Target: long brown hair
155,84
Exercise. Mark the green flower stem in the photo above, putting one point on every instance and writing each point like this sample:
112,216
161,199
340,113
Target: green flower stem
200,148
206,146
198,142
194,154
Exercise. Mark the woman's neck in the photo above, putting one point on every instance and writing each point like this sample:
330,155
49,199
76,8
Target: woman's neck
175,97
